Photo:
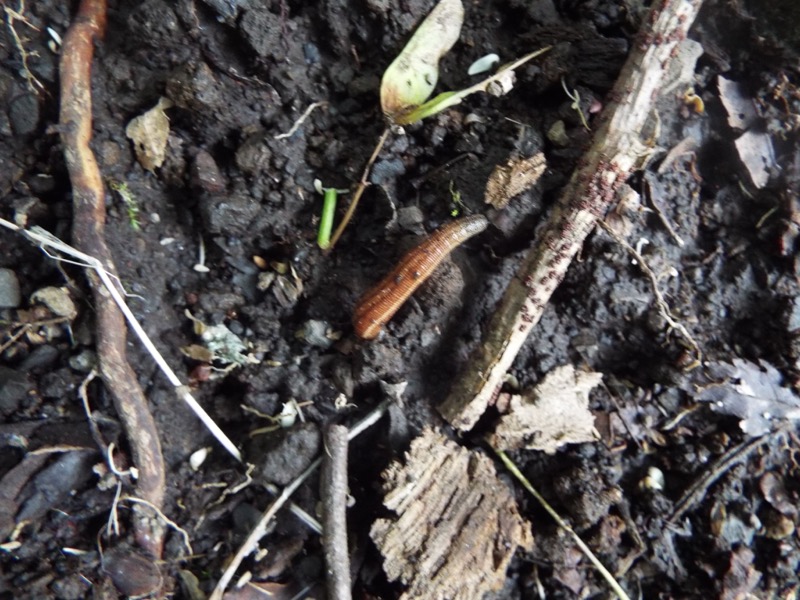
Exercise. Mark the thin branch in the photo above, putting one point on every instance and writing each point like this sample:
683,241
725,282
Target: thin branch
616,151
311,522
333,491
362,185
710,474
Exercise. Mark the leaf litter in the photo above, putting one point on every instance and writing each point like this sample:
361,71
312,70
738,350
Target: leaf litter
752,392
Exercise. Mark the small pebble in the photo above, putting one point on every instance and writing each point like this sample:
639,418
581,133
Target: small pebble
314,333
10,296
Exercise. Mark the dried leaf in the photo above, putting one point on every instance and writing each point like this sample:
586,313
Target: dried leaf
774,490
751,392
738,104
554,413
57,299
149,133
411,78
758,156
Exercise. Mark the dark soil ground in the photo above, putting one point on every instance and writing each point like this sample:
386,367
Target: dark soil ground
241,72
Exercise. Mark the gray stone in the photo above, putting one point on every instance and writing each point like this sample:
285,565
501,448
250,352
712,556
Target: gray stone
10,296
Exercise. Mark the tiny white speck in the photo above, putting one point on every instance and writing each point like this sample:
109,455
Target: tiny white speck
483,64
54,34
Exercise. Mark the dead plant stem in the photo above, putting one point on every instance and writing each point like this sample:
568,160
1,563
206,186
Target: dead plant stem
661,303
615,586
251,543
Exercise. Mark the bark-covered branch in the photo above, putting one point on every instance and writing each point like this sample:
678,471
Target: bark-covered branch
616,151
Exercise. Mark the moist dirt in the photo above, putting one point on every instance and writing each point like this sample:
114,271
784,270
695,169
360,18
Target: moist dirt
675,497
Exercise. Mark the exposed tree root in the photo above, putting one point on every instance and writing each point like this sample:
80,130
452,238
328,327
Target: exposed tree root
75,124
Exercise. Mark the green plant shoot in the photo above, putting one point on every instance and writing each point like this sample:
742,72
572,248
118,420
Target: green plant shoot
326,220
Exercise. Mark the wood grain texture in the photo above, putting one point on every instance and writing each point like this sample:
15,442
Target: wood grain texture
380,304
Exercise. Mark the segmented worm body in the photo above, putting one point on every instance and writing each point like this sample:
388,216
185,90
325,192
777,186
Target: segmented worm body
378,305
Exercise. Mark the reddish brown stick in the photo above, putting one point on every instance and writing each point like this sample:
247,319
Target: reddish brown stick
87,230
378,305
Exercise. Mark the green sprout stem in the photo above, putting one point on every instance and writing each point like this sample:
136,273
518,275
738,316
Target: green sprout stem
326,221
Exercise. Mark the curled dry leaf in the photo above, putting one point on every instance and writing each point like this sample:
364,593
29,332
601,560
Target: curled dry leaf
149,133
738,104
752,392
554,413
411,78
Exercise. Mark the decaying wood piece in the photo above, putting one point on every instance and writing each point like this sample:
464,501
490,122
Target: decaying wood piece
514,177
89,216
457,524
616,151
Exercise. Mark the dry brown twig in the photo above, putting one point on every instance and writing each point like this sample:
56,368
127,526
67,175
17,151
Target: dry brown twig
333,490
616,151
362,185
75,124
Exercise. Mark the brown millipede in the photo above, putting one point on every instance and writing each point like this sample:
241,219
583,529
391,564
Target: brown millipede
378,305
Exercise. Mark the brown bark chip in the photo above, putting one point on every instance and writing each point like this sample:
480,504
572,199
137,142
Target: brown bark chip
457,524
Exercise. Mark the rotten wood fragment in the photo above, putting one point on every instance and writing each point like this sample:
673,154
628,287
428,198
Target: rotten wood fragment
457,524
617,150
512,178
